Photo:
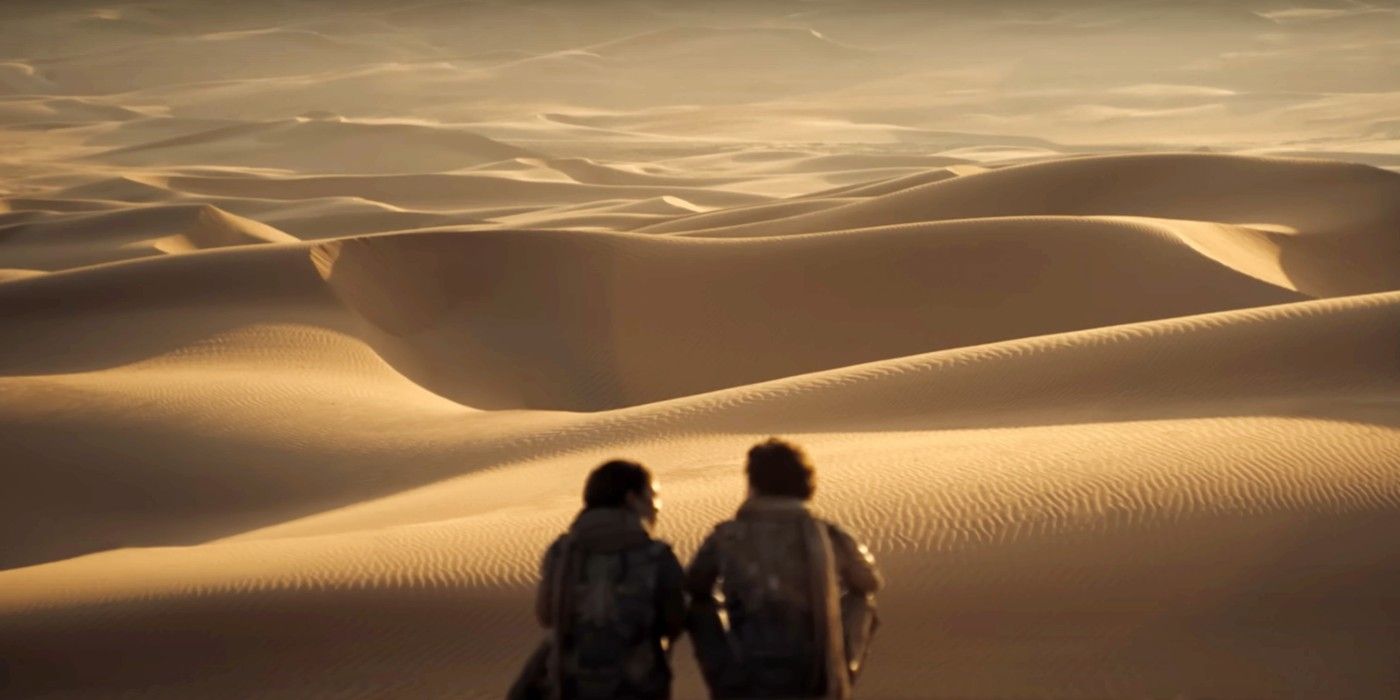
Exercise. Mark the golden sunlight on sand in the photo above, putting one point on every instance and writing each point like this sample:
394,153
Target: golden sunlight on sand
313,317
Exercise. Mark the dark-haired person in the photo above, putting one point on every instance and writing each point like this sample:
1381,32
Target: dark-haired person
611,595
798,590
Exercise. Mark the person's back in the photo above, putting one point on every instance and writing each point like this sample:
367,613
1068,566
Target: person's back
797,591
611,595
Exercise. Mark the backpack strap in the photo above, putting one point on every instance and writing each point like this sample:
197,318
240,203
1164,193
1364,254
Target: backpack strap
826,603
558,583
728,533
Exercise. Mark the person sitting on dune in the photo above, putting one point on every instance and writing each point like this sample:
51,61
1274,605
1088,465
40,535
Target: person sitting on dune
798,591
611,595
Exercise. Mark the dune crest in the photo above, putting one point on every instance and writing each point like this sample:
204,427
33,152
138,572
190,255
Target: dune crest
324,145
64,241
1337,198
461,317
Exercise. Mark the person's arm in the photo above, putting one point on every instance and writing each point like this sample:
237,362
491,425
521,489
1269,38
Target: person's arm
708,635
671,596
544,594
855,565
701,576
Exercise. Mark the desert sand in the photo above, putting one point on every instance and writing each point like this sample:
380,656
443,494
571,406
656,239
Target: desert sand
314,315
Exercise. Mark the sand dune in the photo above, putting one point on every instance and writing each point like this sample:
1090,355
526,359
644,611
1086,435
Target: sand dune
1341,198
335,146
745,215
312,323
235,54
427,191
62,111
62,241
1246,498
571,313
17,78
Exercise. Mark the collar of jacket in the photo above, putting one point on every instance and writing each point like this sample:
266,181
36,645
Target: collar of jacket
774,506
608,529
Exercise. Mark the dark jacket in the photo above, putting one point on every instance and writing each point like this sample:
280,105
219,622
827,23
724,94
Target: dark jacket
610,531
792,583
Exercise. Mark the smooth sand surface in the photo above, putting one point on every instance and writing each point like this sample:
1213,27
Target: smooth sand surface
313,319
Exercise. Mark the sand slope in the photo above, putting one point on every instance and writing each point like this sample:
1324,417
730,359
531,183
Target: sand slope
1241,506
576,325
311,325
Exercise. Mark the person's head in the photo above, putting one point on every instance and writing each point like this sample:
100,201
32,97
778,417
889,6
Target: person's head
777,467
622,484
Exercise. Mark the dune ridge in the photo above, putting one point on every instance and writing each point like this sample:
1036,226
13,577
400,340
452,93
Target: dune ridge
580,289
337,145
62,242
1227,189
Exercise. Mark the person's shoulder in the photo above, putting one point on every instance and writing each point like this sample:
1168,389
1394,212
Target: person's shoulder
728,528
847,545
837,531
660,550
554,552
558,544
659,546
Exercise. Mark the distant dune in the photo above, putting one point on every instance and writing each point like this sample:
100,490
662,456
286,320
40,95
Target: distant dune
313,322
